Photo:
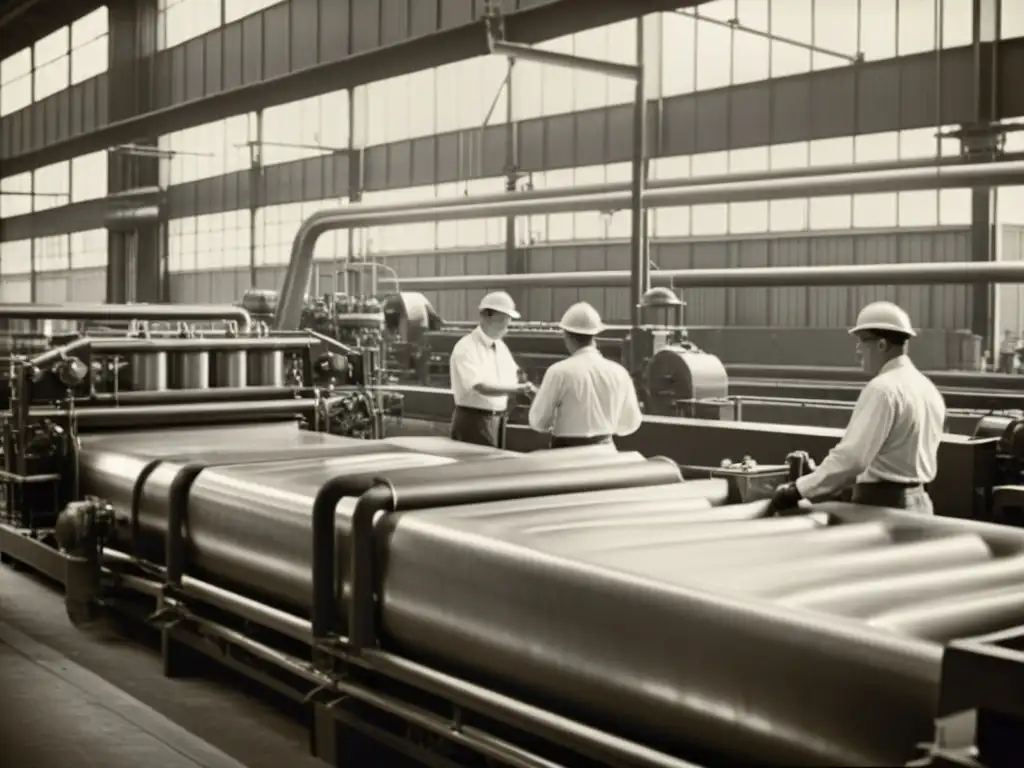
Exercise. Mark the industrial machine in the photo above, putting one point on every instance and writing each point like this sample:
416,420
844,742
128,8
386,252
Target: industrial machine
1007,493
672,375
113,381
356,321
443,604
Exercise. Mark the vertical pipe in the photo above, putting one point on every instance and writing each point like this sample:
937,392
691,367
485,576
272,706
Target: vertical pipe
255,187
639,266
512,260
32,182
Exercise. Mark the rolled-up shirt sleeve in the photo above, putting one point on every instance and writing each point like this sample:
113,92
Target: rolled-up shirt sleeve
545,403
631,417
869,426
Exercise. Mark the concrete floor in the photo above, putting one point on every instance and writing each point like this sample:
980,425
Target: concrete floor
74,699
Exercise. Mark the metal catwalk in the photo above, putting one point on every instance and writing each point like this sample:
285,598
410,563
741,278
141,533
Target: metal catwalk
57,712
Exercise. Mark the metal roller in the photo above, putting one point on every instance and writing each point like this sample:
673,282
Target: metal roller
154,416
971,615
642,540
868,596
234,511
149,371
266,368
232,515
215,344
110,465
522,572
801,573
578,510
819,541
231,370
717,675
190,370
195,396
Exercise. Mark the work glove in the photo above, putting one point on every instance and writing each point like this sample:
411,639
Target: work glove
786,500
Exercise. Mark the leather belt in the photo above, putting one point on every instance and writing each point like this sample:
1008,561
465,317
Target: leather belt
482,411
558,441
893,484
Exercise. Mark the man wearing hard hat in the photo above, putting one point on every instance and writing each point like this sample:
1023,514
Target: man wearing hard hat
890,450
483,374
586,398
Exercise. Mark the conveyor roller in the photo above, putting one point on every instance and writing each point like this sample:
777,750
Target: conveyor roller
596,584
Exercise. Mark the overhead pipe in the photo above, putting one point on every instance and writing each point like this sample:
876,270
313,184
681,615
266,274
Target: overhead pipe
922,273
301,263
123,345
120,312
190,414
679,182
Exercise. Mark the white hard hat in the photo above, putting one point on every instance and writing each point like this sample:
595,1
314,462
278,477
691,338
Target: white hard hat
499,301
583,319
883,316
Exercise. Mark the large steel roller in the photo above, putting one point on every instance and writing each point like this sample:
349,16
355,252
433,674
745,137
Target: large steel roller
864,597
800,572
675,666
678,561
971,615
249,526
655,612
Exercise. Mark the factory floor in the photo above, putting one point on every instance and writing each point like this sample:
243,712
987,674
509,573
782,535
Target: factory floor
74,699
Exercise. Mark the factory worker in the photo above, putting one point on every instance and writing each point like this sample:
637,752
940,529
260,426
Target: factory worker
890,449
483,374
585,399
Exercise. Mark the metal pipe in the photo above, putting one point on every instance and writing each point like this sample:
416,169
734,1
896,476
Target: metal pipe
590,742
301,262
178,415
941,273
236,344
59,353
637,209
179,396
127,312
567,60
472,738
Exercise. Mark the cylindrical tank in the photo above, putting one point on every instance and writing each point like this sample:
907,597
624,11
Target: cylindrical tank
230,369
149,371
266,368
191,370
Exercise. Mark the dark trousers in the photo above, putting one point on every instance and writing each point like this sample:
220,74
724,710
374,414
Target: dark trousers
913,498
576,442
477,426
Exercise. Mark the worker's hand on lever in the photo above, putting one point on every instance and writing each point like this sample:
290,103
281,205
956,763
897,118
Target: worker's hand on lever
527,389
786,500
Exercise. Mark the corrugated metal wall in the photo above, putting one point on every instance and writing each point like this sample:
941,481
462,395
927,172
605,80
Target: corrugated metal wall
1010,298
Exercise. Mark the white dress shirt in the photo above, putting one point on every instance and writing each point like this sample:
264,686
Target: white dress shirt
586,395
893,435
479,359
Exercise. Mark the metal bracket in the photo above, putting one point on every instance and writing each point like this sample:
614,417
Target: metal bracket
166,617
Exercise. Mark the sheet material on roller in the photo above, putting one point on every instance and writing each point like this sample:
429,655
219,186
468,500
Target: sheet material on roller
639,635
249,526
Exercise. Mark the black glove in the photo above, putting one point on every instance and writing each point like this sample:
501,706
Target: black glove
786,499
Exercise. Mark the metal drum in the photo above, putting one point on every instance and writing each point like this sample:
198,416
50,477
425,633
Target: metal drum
230,369
149,371
191,370
266,368
677,378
